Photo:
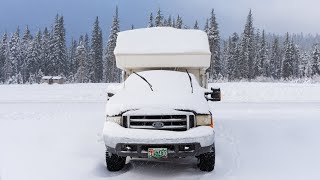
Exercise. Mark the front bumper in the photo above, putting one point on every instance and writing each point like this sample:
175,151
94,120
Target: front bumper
115,137
174,150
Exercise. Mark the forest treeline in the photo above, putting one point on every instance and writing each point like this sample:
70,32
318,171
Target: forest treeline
249,55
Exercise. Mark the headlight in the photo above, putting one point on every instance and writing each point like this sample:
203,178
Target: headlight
204,120
115,119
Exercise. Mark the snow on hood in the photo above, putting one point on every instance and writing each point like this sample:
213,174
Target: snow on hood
171,90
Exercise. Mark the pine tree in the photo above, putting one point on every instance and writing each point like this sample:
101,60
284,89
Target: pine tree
233,57
173,23
51,62
112,73
296,59
86,42
62,49
315,65
276,60
72,56
214,42
287,67
179,23
150,24
305,69
224,60
90,67
14,53
247,49
262,65
158,22
33,60
81,39
165,23
170,21
39,76
58,55
243,64
196,26
206,27
81,58
3,57
26,42
97,48
45,51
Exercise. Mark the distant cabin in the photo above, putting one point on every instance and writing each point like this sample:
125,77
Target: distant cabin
52,80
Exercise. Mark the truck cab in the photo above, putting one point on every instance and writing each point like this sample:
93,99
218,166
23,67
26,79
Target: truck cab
161,109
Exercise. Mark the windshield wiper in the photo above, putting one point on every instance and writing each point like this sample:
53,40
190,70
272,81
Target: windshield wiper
144,80
190,81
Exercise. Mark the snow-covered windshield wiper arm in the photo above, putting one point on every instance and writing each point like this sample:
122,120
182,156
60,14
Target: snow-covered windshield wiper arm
144,80
190,81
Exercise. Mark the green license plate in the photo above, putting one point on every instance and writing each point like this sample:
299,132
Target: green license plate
157,153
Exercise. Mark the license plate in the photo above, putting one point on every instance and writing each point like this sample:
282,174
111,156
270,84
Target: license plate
157,153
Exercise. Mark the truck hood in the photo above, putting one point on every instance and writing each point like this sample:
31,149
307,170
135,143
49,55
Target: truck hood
157,102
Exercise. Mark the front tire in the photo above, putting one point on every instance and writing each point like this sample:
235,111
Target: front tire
115,162
207,161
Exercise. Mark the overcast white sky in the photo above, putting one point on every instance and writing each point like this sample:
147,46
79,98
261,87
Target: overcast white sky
278,16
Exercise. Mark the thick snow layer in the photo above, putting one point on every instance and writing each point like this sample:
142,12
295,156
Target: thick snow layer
262,130
171,90
162,40
114,134
268,92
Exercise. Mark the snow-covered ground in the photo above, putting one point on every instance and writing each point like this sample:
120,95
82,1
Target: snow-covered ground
263,131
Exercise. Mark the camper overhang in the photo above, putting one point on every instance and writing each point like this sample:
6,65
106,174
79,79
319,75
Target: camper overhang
162,47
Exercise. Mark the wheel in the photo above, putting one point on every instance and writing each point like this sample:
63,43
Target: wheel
115,162
207,161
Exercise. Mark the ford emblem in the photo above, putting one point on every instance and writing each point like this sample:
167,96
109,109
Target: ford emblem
158,125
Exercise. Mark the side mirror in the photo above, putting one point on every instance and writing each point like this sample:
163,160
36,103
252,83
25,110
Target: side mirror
110,95
215,95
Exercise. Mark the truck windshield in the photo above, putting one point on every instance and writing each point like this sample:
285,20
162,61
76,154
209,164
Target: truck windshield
162,81
144,80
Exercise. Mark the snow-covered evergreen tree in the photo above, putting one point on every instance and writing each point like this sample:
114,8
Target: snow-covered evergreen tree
58,51
263,64
33,59
45,51
214,42
158,21
296,59
72,57
315,64
233,58
288,62
196,25
150,24
170,21
25,44
14,53
248,51
305,69
97,48
206,26
3,57
179,23
81,58
112,73
61,48
276,59
39,76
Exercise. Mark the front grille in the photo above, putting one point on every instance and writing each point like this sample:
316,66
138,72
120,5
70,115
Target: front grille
164,122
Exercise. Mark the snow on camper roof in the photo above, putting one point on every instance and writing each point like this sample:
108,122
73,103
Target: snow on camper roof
162,47
162,40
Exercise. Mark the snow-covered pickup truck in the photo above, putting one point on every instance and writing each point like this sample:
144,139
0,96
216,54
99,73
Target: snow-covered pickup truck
161,110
